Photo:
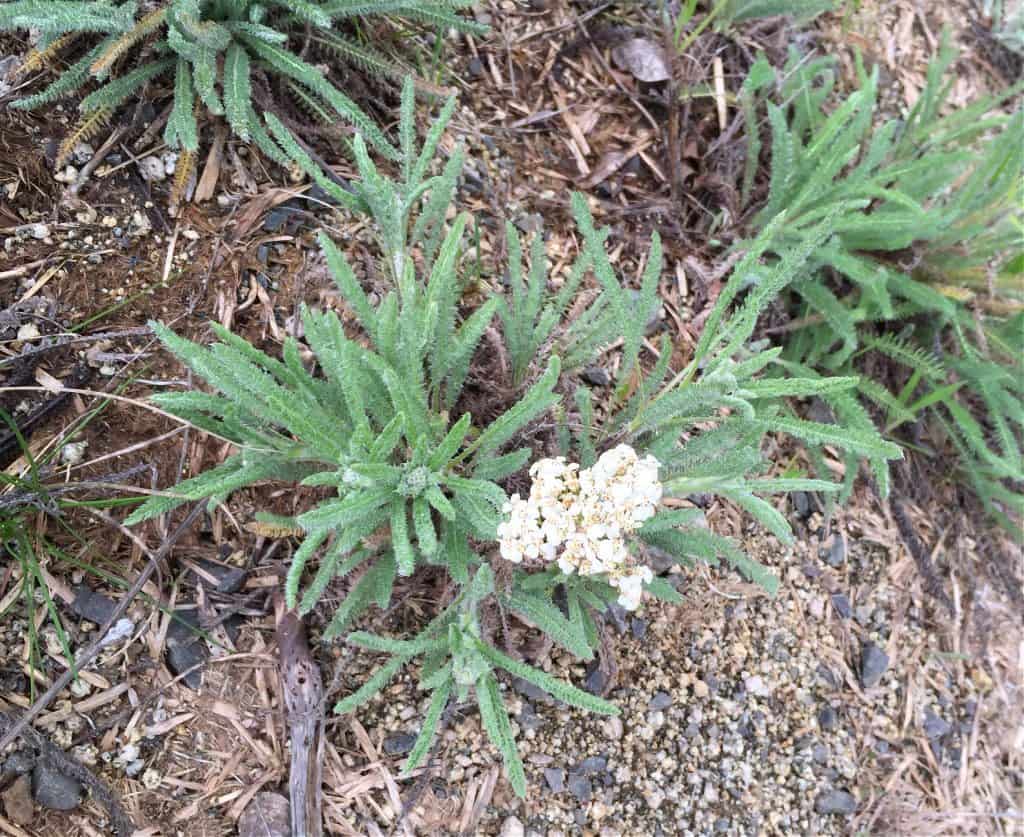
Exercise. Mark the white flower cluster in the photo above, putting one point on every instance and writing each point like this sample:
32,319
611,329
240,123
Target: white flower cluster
587,515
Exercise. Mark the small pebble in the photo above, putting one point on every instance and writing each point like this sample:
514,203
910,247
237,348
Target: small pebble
835,802
555,777
512,827
873,663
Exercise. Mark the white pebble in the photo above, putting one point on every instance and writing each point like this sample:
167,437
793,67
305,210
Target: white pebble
512,827
29,331
72,452
152,169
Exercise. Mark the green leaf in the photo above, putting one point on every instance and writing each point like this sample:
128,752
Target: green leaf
425,533
499,730
661,589
377,681
450,444
309,546
540,610
115,92
237,89
400,542
429,727
537,400
559,689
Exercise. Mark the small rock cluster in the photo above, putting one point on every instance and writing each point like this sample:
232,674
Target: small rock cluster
738,713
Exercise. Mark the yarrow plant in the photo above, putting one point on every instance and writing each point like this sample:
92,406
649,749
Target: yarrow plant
383,421
923,284
221,55
587,514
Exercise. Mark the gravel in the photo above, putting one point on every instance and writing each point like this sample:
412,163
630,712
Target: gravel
660,700
737,713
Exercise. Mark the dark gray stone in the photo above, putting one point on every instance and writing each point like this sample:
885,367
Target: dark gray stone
529,690
186,648
580,787
92,606
596,680
638,627
841,602
819,753
835,802
828,719
182,658
229,579
475,68
17,764
591,765
54,790
316,193
935,726
837,551
658,559
528,719
801,503
399,743
873,663
826,676
617,616
555,777
660,700
530,222
596,376
278,218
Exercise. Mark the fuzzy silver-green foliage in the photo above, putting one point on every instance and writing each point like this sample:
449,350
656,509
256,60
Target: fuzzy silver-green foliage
214,47
737,11
380,421
941,190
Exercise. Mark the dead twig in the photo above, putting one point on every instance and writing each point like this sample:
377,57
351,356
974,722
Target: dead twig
95,160
64,340
304,702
